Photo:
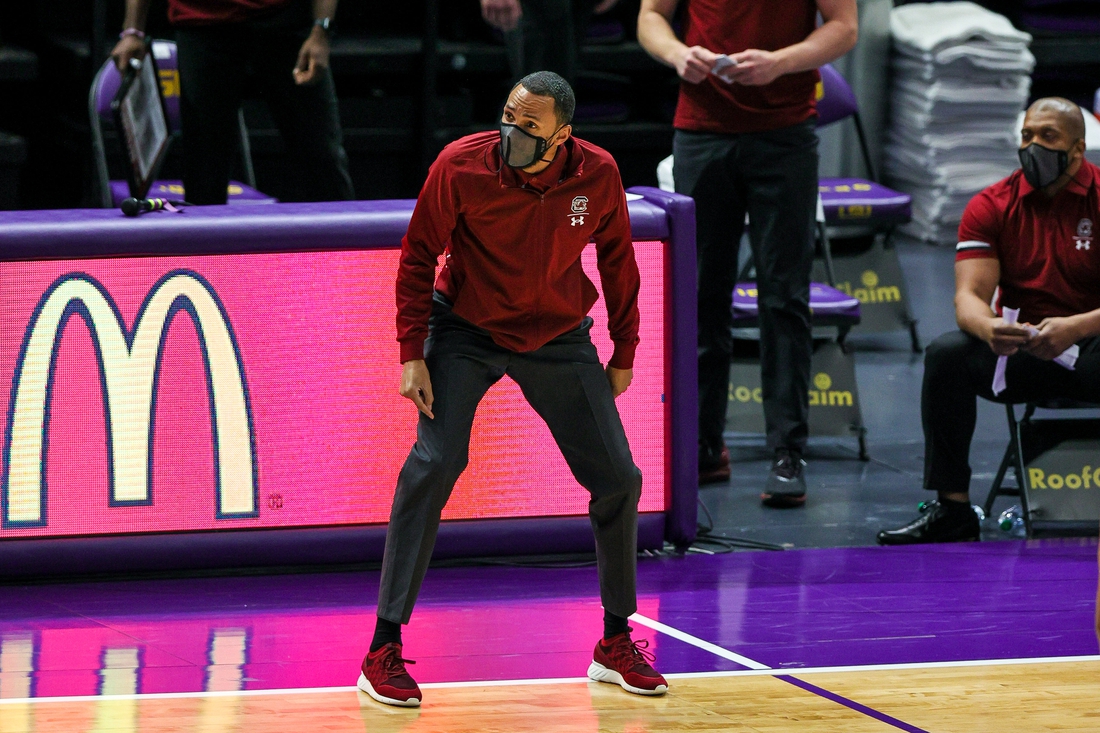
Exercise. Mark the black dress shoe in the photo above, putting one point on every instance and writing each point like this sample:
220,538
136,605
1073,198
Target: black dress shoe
936,524
786,486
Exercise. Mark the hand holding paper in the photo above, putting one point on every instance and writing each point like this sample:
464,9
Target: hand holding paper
1067,358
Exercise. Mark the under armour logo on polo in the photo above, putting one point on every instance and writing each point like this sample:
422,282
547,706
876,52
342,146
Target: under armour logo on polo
1084,244
576,221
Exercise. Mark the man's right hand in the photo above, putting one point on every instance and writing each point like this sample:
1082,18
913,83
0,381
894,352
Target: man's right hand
128,47
694,63
1006,338
416,385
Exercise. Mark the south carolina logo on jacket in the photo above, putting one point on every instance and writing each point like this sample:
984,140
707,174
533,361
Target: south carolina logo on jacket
580,210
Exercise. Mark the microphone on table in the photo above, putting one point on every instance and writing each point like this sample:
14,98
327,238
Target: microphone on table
135,207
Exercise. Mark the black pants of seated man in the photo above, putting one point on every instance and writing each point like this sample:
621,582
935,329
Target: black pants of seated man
566,385
958,368
219,65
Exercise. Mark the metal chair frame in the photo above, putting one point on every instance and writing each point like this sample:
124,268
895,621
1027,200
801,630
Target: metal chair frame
1014,457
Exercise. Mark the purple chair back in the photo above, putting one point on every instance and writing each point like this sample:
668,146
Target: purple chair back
835,99
108,80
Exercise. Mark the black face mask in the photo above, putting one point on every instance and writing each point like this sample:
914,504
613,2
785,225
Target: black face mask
519,148
1042,166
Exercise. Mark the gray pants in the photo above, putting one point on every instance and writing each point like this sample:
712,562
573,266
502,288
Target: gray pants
773,176
566,385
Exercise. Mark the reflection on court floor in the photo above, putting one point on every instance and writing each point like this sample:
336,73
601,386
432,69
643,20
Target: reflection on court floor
814,640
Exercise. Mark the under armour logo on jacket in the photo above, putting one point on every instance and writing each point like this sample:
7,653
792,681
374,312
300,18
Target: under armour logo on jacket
576,221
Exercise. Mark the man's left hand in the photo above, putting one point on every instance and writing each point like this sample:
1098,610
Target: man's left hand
312,58
754,68
1055,336
620,379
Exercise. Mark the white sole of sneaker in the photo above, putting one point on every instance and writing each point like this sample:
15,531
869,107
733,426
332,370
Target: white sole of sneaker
600,673
364,685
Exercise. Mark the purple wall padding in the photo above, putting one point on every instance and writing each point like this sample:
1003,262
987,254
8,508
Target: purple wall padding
682,374
25,559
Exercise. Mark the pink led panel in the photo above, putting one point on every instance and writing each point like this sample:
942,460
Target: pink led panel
257,390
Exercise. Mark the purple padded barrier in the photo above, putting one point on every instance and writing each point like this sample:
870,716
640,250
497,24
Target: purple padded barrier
331,225
682,373
23,559
78,233
825,301
858,201
239,193
837,100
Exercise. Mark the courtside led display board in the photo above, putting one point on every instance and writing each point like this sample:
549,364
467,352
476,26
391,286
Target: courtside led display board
237,391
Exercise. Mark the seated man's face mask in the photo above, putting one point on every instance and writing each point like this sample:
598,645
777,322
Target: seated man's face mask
519,148
1042,166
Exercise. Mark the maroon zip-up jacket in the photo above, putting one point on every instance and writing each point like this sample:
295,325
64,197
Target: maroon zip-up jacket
513,246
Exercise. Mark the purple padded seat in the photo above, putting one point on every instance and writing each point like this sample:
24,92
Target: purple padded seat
104,88
857,200
828,306
853,200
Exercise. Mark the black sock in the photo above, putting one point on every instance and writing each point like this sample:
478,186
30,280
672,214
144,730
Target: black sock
384,633
613,625
952,506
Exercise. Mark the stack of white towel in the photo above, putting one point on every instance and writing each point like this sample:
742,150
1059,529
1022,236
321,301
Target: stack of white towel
961,75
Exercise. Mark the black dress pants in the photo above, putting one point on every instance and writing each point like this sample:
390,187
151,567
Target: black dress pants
566,385
958,368
773,176
549,37
218,65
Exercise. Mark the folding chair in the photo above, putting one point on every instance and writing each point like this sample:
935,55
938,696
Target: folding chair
105,86
1014,454
862,204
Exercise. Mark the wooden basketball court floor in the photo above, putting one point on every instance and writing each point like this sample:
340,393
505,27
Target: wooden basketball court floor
989,637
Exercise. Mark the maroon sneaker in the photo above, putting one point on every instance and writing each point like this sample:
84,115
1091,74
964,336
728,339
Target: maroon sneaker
384,677
714,468
626,663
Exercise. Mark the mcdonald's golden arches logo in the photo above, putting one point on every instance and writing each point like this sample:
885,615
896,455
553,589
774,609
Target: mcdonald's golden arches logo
128,365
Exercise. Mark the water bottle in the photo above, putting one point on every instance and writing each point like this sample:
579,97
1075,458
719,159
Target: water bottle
1011,521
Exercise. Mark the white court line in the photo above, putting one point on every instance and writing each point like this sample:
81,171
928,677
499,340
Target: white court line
697,642
558,680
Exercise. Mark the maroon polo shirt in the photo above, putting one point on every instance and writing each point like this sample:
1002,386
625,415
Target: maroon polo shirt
513,246
216,12
1048,249
732,26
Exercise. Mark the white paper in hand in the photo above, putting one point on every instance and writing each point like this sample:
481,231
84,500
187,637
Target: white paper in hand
723,64
1067,358
1008,315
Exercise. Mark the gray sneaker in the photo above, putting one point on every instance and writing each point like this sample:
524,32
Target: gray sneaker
786,486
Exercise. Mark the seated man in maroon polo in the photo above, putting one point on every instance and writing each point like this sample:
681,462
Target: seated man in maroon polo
1027,252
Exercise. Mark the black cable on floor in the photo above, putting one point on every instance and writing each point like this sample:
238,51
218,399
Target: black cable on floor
706,536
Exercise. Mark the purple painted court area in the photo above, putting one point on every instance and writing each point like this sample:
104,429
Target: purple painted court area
805,608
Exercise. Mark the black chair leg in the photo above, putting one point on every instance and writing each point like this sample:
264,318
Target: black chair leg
995,490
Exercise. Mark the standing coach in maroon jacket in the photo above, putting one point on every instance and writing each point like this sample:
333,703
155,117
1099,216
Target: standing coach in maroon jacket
513,210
